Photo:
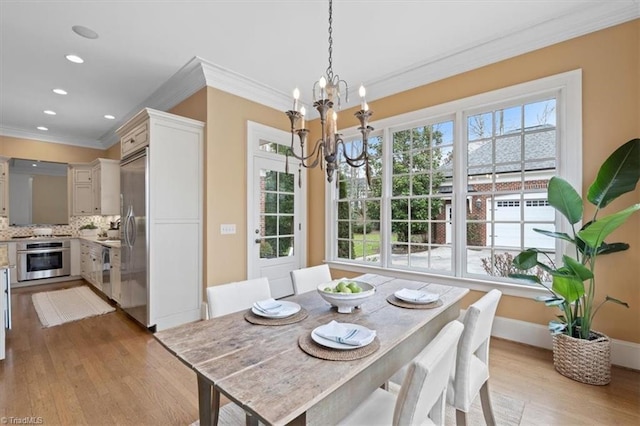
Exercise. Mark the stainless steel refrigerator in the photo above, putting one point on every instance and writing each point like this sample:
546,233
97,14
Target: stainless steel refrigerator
134,184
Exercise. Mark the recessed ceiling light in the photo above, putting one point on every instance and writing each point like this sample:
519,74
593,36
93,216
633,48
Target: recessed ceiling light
84,32
49,112
109,117
75,59
60,91
42,128
34,165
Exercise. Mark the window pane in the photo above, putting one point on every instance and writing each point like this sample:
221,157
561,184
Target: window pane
269,179
286,225
508,120
540,114
286,182
286,203
268,248
270,225
270,203
479,126
285,247
540,145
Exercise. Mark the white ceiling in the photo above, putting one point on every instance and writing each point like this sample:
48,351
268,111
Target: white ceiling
266,46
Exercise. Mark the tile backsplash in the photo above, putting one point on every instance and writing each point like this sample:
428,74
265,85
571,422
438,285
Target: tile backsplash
102,222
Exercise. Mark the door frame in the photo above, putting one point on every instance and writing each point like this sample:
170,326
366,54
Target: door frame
256,132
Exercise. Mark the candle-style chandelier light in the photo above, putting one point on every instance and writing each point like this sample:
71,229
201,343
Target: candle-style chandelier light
327,93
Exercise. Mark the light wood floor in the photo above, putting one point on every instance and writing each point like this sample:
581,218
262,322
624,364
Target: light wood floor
109,370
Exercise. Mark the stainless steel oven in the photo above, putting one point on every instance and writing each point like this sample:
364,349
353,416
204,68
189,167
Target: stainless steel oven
43,259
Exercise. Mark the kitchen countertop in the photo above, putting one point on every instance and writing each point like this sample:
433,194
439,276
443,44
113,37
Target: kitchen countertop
114,243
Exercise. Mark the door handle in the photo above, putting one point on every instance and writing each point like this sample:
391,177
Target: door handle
258,240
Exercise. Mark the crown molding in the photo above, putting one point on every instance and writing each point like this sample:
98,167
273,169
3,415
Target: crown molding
576,22
39,136
193,76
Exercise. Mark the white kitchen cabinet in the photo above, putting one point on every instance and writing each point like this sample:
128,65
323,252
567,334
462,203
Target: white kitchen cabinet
91,263
75,257
134,139
114,256
106,186
81,199
4,187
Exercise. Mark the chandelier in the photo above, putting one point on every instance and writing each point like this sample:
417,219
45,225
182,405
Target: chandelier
327,93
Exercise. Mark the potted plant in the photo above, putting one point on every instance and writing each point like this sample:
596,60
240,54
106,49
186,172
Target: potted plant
580,352
89,230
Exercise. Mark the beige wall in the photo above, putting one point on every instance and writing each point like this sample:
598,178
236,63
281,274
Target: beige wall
226,117
610,61
47,151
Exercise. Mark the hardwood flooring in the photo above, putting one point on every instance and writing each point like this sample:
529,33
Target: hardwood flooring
109,370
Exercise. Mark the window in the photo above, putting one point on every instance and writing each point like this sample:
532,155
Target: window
459,188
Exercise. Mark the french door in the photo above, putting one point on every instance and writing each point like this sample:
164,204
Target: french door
276,211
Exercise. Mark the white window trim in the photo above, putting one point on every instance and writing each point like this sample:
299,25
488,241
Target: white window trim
569,146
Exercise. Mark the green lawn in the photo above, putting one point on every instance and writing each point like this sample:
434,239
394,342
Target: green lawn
366,245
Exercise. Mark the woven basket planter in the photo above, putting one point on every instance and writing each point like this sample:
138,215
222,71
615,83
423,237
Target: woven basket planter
585,361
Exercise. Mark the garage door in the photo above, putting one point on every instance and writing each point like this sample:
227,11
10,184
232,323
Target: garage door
510,213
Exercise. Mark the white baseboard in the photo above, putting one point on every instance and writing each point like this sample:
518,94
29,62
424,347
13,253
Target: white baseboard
623,353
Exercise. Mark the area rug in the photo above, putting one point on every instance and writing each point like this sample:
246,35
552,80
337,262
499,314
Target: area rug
61,306
507,411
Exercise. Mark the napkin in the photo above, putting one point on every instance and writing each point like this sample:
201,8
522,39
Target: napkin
416,295
346,334
268,306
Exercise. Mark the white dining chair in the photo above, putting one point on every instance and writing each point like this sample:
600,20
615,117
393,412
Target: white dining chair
471,374
308,279
233,297
225,299
421,399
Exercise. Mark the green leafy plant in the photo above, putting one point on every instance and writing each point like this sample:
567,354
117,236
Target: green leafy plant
89,226
574,282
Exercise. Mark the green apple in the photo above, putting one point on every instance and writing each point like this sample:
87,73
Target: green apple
341,286
355,288
328,289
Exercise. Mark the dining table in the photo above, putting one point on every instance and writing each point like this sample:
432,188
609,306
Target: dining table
263,368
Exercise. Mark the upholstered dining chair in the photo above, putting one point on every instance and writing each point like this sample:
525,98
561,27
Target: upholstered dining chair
471,374
233,297
308,279
421,399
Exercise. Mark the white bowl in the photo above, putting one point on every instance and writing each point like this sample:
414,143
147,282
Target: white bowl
345,302
42,232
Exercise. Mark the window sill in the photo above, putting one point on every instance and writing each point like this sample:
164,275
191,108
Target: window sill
470,283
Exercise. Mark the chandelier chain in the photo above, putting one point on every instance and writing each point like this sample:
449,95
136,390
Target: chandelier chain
330,68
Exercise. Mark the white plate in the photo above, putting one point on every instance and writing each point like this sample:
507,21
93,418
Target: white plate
335,345
288,309
416,296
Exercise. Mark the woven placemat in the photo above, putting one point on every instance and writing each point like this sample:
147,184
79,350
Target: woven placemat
307,344
256,319
401,303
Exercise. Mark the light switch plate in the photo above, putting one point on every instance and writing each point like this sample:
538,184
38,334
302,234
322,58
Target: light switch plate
227,228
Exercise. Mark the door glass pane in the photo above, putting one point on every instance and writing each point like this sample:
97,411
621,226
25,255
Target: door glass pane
277,222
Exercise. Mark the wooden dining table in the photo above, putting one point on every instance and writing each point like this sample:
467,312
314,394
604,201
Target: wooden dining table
263,369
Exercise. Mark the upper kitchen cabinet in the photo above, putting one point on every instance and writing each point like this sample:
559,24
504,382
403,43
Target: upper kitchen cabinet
134,139
4,186
94,188
105,177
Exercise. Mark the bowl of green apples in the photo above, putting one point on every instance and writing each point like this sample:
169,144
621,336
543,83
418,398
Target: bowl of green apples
346,294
